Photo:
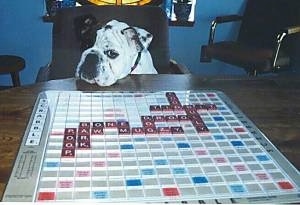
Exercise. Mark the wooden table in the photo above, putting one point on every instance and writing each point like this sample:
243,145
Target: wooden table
272,103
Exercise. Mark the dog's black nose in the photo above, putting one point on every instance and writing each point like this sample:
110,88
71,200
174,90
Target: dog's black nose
88,68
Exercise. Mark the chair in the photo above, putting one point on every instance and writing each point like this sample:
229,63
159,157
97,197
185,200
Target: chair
267,39
67,49
11,64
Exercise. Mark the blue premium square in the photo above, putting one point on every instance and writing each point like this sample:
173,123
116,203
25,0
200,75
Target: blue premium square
183,145
237,143
133,182
218,118
199,180
127,146
262,157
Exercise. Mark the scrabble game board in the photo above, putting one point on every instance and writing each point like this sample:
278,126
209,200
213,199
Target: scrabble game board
166,146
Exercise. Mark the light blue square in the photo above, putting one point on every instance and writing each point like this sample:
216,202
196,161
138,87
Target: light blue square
219,137
160,162
237,188
139,139
100,194
52,164
179,170
166,139
148,171
211,125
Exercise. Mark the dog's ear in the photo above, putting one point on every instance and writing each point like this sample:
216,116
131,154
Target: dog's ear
138,36
85,30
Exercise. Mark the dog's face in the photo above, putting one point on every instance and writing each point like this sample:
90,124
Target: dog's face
113,54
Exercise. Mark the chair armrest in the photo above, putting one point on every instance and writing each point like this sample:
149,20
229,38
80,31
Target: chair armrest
281,35
43,74
228,18
291,30
219,20
178,68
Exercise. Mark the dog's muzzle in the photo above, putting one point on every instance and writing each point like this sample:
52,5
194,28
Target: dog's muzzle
88,69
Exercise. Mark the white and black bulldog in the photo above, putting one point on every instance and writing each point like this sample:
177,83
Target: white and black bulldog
119,50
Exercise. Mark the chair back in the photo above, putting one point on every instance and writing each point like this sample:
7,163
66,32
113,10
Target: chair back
66,47
263,19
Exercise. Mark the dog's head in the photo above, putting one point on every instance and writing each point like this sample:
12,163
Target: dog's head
115,52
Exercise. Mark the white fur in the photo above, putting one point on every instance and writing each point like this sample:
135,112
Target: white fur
116,40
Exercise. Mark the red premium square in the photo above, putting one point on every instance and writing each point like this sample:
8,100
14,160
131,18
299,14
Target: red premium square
239,129
285,185
42,196
171,191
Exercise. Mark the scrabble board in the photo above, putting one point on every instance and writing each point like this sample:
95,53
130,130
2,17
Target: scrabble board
191,146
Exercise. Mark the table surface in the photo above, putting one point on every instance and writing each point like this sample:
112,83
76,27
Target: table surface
272,103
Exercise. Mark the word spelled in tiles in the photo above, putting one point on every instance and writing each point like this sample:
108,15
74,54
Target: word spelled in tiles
187,146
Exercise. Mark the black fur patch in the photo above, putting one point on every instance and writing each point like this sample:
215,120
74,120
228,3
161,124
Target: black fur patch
107,27
85,30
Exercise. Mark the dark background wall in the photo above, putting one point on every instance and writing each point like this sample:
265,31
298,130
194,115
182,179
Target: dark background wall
24,33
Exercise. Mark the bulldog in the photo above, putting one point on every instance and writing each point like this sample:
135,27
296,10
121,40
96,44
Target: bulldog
119,50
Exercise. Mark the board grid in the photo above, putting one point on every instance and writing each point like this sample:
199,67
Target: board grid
167,146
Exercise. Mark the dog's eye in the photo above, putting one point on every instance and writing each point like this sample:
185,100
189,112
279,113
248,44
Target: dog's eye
111,54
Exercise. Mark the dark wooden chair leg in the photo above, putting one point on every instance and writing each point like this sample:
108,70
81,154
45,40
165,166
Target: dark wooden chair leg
11,64
16,79
204,58
252,72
